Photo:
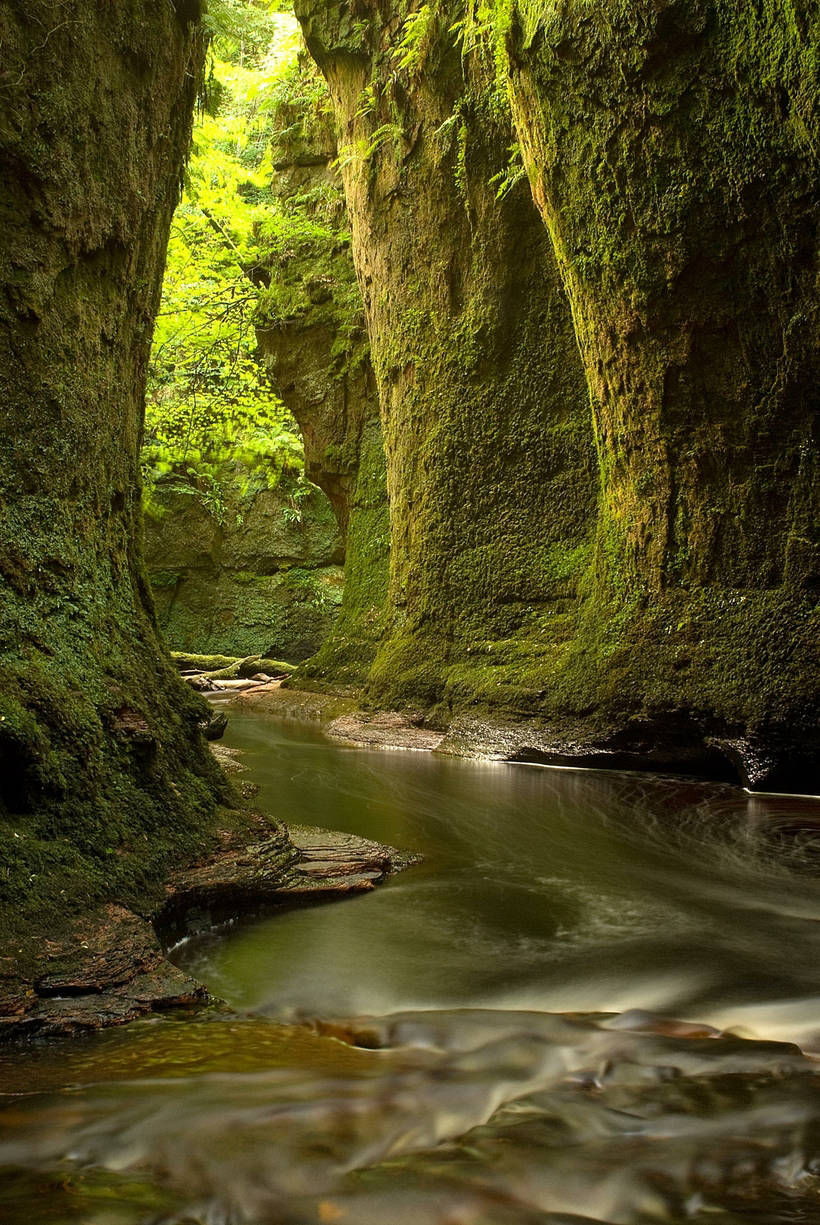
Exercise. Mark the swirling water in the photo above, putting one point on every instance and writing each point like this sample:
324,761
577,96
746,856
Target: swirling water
596,1000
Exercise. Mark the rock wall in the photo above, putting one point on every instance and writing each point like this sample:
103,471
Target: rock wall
103,774
484,407
319,362
266,580
672,151
636,578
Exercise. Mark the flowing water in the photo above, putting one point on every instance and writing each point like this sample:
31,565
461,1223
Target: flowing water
596,1000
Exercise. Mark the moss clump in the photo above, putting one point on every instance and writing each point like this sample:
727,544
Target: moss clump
225,667
202,663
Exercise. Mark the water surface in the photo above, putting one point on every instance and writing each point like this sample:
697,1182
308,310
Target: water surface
597,999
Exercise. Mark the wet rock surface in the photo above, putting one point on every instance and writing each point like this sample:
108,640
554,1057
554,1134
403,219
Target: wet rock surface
108,969
664,746
647,746
292,867
111,967
385,729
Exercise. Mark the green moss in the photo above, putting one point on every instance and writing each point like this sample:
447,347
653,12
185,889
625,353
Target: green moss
104,777
597,431
667,149
320,363
345,657
487,428
266,579
187,662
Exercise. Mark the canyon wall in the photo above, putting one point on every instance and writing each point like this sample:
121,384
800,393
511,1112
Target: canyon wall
103,773
672,152
311,330
598,425
489,447
262,578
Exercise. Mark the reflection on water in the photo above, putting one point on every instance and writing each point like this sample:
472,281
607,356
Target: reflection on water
481,1042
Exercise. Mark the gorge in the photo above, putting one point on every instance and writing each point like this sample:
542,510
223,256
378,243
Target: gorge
534,350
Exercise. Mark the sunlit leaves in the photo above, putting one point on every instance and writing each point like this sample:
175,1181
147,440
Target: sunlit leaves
212,417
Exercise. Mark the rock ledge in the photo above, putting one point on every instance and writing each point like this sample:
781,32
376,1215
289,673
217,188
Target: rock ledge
111,966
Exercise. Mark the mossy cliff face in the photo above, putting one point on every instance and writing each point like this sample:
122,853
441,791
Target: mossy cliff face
263,579
103,774
343,661
640,577
319,362
311,326
672,152
484,407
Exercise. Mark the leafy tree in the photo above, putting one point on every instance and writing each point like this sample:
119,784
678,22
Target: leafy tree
212,418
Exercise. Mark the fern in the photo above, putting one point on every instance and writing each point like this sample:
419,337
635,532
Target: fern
512,173
416,39
364,148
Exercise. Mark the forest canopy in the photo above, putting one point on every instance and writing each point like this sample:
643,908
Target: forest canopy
212,417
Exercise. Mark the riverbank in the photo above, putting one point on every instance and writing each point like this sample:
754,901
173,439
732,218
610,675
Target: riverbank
109,966
647,745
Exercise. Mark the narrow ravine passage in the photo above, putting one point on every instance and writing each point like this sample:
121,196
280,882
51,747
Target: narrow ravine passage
485,1040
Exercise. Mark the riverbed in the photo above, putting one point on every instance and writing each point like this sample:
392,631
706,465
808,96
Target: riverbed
597,999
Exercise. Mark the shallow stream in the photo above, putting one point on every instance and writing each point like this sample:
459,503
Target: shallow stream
596,1000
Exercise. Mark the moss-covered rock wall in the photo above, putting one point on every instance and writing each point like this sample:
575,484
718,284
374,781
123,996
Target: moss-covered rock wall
318,356
672,148
262,578
103,774
483,402
600,457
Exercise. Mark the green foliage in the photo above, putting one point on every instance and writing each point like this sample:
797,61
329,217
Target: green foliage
244,29
211,417
512,173
416,39
296,103
367,101
363,149
241,257
303,235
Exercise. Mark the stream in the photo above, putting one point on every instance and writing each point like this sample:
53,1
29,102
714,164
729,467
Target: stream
597,999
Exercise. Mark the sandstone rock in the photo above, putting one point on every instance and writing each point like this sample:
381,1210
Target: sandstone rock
110,968
259,582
